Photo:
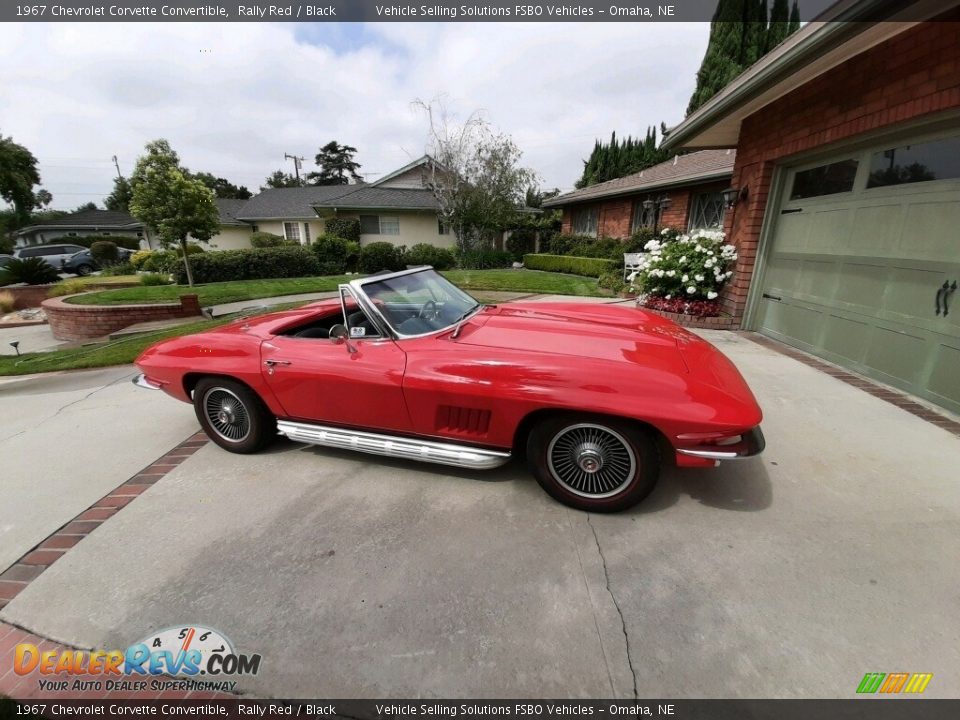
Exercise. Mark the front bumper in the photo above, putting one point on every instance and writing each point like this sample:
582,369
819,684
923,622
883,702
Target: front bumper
751,443
142,381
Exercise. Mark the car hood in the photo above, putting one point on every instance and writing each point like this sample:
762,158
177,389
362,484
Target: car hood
602,332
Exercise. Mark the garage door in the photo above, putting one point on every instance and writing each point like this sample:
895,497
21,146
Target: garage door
864,261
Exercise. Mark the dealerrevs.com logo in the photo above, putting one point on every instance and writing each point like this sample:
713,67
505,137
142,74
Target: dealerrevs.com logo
188,657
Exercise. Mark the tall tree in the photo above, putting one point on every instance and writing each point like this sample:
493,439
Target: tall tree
794,19
619,158
86,206
779,24
18,175
175,205
337,166
475,175
119,199
223,188
281,179
739,36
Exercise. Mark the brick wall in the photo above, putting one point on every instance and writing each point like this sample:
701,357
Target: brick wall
913,75
82,322
27,296
615,214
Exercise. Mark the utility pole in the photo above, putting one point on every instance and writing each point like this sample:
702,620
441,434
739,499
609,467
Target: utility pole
296,164
117,165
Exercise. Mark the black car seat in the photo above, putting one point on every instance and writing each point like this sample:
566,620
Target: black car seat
358,319
314,332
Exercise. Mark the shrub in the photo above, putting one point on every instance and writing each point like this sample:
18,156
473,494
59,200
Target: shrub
331,252
68,287
140,257
353,255
561,243
425,254
7,302
681,306
192,249
253,264
163,261
265,239
484,259
31,271
120,268
155,279
87,241
612,281
590,267
521,242
692,267
380,256
104,252
345,228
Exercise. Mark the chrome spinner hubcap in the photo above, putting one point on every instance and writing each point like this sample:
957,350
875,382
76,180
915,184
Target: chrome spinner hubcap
227,416
591,460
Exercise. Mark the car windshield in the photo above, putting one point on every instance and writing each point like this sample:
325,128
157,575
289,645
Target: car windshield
420,303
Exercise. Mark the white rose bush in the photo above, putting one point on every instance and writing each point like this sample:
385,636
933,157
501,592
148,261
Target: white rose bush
684,273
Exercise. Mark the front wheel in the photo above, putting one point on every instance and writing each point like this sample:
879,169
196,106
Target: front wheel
593,464
233,416
84,270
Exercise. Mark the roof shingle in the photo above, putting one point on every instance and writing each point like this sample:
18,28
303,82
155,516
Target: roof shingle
703,165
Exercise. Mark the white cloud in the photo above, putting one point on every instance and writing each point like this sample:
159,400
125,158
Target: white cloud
233,98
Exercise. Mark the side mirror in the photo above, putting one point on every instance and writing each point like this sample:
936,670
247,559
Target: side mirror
341,336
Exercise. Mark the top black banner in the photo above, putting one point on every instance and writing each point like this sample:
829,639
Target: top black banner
435,11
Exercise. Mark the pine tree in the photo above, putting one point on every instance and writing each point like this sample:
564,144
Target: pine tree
794,19
779,24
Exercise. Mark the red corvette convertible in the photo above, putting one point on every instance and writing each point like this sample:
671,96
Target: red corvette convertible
408,365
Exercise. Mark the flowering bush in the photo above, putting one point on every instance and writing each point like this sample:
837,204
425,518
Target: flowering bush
686,267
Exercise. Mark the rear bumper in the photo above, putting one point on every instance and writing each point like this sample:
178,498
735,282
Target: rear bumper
751,443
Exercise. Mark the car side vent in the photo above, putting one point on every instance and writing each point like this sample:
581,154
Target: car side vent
468,421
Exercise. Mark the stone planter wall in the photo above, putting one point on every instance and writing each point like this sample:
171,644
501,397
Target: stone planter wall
83,322
27,296
722,322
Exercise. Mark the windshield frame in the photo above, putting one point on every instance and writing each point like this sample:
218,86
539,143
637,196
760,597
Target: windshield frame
370,307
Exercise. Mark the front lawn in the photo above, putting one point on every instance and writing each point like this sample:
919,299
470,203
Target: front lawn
530,281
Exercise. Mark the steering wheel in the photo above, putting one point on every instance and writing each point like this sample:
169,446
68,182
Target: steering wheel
433,312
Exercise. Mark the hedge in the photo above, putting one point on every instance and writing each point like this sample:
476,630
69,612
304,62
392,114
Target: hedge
124,241
254,264
590,267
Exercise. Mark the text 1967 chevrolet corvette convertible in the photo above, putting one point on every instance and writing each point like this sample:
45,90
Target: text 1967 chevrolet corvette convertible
408,365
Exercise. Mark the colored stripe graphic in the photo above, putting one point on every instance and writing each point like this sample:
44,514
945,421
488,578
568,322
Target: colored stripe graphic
871,682
894,682
918,682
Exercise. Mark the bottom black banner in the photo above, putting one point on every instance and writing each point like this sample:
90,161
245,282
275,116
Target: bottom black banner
875,708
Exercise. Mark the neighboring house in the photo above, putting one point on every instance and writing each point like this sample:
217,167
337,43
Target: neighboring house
848,179
684,192
85,222
397,208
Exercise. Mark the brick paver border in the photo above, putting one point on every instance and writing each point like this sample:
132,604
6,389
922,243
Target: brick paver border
894,397
33,563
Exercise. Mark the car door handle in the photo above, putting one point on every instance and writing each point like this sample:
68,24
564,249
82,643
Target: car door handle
271,363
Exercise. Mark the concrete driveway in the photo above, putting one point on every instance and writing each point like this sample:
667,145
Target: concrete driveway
790,575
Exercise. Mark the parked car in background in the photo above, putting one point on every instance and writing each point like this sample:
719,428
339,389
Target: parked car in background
84,263
4,259
52,254
407,365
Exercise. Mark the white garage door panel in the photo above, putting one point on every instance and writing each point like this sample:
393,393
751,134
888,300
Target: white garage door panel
853,271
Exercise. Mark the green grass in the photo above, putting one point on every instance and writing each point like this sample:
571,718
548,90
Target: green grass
212,293
216,293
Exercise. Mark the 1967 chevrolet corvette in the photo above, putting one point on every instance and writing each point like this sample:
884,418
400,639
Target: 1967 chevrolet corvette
408,365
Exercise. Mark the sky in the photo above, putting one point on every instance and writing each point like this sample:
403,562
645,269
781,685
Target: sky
232,99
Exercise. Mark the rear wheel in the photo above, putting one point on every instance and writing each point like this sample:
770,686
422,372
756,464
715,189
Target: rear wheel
592,463
84,270
233,416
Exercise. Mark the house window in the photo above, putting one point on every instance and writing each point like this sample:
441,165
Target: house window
306,232
255,228
379,225
291,231
643,217
828,179
585,221
442,228
938,160
73,234
706,211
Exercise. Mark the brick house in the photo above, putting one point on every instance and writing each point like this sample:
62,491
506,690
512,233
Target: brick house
848,191
683,192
